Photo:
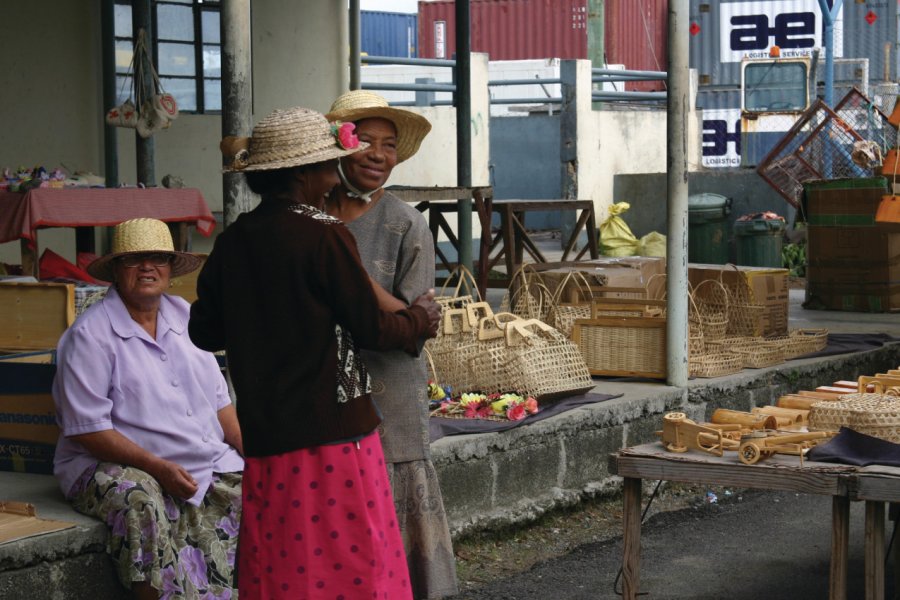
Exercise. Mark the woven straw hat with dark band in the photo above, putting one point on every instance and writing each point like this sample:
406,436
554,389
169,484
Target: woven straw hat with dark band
286,138
356,105
142,236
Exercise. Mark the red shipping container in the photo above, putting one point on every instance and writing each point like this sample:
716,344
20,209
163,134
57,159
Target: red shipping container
636,36
507,29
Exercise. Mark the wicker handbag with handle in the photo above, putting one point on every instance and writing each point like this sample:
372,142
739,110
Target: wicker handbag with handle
532,359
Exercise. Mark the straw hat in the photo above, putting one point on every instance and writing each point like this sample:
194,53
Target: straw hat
142,236
356,105
287,138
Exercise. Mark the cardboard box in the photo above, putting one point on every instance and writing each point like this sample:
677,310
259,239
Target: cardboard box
629,272
33,316
843,202
768,288
853,269
28,430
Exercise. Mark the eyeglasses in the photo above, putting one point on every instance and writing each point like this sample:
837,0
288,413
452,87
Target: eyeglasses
130,261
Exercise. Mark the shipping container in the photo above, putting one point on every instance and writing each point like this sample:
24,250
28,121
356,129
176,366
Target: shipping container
725,31
388,33
635,34
507,29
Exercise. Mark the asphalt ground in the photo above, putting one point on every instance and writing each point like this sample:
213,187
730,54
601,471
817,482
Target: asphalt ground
750,545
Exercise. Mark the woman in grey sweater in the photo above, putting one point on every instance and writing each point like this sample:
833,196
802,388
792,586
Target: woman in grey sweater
397,250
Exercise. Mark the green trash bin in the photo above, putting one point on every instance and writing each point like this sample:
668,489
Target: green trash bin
707,231
758,242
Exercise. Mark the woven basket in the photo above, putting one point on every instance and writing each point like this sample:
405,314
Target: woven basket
527,296
623,346
801,341
711,300
716,365
877,415
563,314
456,343
757,353
465,292
745,317
532,359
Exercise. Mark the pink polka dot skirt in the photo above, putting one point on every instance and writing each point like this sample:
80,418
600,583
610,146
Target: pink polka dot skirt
319,524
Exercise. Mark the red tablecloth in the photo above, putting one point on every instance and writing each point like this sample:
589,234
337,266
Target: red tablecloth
22,214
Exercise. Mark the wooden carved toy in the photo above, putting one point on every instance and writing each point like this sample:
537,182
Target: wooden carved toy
758,445
744,419
681,434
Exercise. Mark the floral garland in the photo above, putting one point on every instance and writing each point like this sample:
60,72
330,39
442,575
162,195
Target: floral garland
476,405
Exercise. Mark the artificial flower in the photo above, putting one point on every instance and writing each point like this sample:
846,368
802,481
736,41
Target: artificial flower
435,392
343,132
516,412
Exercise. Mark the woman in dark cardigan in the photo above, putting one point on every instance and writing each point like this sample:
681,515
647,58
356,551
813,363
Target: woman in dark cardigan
284,292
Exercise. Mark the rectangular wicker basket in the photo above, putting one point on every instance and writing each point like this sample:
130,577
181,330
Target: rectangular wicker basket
623,345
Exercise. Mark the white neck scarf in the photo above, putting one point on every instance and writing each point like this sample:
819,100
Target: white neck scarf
352,191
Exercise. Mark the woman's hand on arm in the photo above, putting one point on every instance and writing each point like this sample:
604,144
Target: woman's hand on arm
111,446
229,421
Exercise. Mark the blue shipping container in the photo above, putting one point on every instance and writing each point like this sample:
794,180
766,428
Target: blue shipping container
388,33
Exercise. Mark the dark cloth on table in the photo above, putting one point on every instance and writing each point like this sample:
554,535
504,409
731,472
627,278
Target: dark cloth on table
439,427
851,447
845,343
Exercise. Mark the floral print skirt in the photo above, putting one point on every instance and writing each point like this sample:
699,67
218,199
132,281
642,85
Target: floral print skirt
184,551
424,528
319,524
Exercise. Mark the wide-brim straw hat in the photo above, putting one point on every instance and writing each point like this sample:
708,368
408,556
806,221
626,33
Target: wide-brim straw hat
357,105
142,236
286,138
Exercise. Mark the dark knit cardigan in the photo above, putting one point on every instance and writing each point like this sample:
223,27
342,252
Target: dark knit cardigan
271,292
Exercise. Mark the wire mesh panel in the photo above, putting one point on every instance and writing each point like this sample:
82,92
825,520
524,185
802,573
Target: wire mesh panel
820,145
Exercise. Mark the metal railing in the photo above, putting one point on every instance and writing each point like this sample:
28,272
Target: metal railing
428,88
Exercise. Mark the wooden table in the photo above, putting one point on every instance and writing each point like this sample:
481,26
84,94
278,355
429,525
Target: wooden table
844,483
511,241
22,215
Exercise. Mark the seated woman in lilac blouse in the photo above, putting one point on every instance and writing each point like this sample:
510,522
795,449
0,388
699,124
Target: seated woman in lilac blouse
149,442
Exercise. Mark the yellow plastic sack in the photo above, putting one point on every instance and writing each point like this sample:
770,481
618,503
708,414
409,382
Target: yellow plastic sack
652,244
616,238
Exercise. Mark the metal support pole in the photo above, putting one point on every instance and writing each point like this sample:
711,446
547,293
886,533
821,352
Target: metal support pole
679,90
110,138
829,15
355,46
145,148
463,80
568,140
237,106
236,99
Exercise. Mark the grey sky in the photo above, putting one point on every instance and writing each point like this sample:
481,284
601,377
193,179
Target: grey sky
404,6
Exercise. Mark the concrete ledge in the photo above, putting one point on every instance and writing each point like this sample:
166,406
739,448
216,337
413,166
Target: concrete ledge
489,480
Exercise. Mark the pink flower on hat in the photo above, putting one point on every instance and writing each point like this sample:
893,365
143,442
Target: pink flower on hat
346,139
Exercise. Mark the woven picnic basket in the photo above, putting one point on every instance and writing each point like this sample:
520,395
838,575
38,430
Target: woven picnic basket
877,415
532,359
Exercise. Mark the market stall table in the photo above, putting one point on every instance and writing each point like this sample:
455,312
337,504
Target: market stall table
21,215
512,239
843,483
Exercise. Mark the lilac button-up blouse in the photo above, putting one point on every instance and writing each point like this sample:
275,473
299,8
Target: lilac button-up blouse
161,394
